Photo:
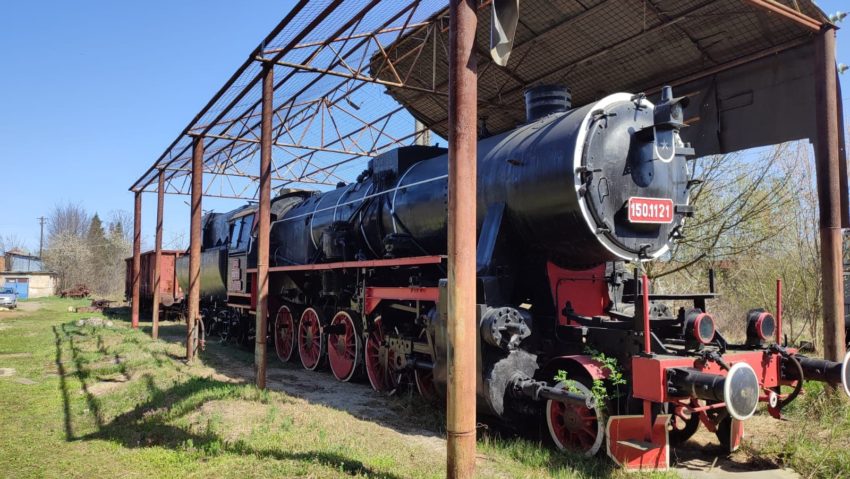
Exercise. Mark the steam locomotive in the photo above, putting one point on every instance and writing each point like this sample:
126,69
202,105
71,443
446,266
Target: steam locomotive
570,205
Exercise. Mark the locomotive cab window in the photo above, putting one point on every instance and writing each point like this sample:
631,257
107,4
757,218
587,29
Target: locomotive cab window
240,232
235,233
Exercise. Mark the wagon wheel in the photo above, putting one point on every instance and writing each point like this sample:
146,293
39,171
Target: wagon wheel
380,360
344,345
311,345
284,334
577,428
683,423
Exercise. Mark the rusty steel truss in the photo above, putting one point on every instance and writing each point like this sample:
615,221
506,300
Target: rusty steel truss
332,61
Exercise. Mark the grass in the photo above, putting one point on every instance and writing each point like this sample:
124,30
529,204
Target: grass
101,402
110,402
816,440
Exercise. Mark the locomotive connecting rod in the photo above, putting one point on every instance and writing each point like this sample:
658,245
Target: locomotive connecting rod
462,327
539,390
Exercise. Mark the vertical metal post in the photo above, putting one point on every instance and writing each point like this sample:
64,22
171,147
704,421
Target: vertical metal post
828,168
778,315
463,121
195,247
137,259
263,225
157,270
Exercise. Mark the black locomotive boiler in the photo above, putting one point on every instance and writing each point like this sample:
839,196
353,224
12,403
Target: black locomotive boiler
565,203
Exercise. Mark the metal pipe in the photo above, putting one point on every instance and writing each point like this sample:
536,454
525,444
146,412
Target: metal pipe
195,247
647,344
157,270
777,8
463,125
779,311
137,259
828,170
263,226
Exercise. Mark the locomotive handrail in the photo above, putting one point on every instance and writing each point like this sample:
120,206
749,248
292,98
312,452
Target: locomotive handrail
375,263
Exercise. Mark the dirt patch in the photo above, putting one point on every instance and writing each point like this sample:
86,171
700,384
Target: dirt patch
29,306
15,355
7,372
356,398
231,419
107,384
25,381
702,454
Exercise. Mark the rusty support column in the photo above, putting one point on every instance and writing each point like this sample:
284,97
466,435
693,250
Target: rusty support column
828,169
195,247
157,271
463,121
263,225
137,259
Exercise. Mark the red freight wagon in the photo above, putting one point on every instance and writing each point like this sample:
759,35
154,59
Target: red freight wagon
170,293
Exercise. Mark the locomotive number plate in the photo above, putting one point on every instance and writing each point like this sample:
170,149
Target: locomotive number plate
650,210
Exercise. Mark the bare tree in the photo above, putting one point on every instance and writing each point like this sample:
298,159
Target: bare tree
67,220
737,208
12,242
756,221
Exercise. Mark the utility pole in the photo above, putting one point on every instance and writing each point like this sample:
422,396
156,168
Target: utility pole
41,220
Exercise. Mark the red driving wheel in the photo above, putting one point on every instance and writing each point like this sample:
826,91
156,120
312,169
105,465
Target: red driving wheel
311,348
343,346
380,360
576,427
284,334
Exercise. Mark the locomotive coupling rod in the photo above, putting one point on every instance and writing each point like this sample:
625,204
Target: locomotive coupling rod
539,390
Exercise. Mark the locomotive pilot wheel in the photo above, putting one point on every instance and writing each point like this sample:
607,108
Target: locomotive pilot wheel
311,345
380,360
284,334
344,345
683,423
575,427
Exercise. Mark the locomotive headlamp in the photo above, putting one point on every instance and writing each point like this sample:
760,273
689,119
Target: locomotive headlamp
699,327
761,327
669,113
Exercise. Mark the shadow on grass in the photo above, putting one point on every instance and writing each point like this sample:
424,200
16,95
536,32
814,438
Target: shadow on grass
147,424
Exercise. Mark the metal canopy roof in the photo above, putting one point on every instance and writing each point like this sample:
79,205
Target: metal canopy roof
335,60
597,47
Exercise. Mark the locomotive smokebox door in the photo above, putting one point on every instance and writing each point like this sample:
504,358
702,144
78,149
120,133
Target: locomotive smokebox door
630,193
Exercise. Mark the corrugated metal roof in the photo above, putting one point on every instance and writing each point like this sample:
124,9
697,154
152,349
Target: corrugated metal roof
596,47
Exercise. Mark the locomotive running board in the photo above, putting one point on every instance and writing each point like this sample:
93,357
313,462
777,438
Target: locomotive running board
627,445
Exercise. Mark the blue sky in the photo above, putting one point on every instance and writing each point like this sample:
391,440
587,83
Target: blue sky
91,93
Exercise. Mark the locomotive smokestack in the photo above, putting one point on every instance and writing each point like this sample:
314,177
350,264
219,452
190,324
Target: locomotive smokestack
545,100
